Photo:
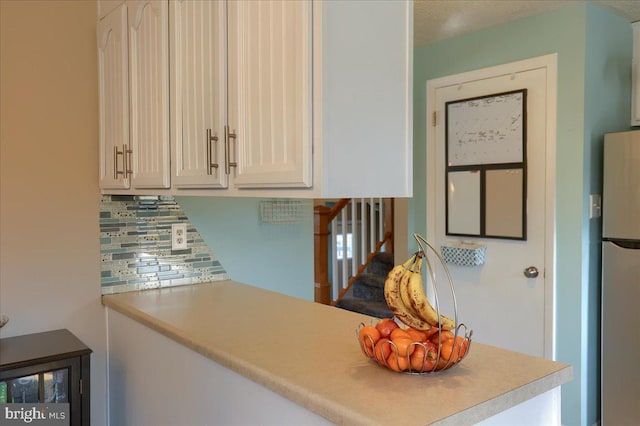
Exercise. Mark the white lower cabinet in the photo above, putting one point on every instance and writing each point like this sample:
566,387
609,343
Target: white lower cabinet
274,98
145,367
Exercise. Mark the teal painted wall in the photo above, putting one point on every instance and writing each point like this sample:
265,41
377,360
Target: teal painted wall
568,32
607,109
275,257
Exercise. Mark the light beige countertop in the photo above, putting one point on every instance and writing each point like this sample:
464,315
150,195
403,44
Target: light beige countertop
308,353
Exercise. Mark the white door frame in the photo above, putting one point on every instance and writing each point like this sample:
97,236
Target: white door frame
550,63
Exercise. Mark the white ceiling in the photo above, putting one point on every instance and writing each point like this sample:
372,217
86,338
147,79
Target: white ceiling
436,20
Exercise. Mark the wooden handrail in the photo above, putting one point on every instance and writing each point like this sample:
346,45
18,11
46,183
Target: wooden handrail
337,208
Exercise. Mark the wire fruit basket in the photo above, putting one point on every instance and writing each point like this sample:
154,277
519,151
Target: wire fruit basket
419,340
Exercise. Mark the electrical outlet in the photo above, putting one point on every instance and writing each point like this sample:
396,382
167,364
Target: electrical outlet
178,236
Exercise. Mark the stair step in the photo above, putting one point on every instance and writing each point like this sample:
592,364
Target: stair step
381,264
369,287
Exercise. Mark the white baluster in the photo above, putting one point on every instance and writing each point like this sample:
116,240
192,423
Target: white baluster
345,264
354,245
363,231
334,259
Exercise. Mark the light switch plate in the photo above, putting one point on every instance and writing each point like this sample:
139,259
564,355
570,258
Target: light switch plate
178,236
595,206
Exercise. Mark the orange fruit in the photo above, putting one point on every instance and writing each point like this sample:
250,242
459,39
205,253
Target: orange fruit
418,358
446,335
382,350
398,363
442,364
430,332
385,326
399,333
368,337
416,335
454,349
441,337
405,346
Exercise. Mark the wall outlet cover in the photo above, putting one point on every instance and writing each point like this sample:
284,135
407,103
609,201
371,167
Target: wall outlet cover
178,236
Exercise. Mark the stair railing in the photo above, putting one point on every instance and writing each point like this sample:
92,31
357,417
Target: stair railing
346,237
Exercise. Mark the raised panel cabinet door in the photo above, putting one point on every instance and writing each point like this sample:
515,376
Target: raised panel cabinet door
149,156
198,92
113,106
270,122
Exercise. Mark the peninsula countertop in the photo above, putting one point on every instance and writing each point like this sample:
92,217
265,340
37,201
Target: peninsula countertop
308,353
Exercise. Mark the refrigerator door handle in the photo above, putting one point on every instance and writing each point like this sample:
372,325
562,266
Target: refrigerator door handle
626,244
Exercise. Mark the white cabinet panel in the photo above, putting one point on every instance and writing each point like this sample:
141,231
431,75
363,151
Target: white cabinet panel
114,98
635,78
364,68
198,75
149,94
270,54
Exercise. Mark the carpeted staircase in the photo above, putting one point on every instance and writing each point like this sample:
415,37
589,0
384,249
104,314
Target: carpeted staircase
366,294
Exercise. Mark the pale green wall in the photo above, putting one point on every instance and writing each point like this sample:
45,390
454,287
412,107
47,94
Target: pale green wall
567,32
607,109
275,257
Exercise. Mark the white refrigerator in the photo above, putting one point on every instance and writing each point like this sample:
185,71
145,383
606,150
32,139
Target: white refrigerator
620,372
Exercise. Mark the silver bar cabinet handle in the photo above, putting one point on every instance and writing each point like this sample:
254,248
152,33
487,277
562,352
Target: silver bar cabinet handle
117,172
211,148
228,136
128,162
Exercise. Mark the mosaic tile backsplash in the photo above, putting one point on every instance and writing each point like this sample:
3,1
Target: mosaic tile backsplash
135,246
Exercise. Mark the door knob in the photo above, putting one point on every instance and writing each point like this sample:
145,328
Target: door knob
531,272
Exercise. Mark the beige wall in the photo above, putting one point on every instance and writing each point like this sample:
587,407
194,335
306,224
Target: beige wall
49,232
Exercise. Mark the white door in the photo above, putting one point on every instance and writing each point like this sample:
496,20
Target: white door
149,94
496,300
114,98
198,93
270,93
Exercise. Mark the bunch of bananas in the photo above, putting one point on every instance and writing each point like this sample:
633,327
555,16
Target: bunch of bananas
406,298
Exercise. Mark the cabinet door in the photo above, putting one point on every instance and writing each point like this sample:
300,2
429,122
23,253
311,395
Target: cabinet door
269,70
149,94
50,382
198,92
635,76
114,98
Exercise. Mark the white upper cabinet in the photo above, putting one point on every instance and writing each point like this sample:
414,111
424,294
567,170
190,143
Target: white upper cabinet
133,62
114,99
270,93
269,98
242,94
149,158
198,93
